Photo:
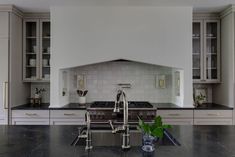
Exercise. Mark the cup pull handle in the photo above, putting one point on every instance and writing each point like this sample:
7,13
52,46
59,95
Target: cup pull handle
5,95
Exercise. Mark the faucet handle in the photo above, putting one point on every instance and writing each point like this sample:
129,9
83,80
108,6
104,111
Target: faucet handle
112,127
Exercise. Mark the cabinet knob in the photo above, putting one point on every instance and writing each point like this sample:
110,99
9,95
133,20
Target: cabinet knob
31,114
69,114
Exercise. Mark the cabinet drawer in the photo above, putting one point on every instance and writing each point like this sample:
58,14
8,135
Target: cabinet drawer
27,121
221,121
30,114
59,121
175,113
179,121
213,114
68,114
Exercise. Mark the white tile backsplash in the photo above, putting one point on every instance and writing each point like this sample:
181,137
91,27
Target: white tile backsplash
102,80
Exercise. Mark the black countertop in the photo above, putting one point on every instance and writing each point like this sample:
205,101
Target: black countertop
159,106
45,106
205,106
54,141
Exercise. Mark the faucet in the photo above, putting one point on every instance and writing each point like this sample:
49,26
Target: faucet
85,133
121,97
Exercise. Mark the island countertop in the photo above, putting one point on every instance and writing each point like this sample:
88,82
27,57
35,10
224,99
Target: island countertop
54,141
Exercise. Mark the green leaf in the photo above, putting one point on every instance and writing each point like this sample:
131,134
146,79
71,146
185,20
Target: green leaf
158,121
158,132
166,126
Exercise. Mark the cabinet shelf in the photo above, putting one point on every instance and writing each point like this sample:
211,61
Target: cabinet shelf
211,68
196,53
211,37
31,37
29,66
30,53
211,53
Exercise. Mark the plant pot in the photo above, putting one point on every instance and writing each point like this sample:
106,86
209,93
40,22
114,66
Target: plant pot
37,95
148,143
82,100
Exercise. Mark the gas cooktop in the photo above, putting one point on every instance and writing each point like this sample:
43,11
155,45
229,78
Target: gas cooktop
131,104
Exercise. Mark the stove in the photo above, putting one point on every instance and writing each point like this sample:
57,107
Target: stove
131,105
102,112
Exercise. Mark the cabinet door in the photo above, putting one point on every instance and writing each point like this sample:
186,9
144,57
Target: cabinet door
212,50
3,80
197,50
45,49
31,50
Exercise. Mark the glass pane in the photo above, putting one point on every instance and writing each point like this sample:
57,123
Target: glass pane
31,50
46,50
211,50
196,50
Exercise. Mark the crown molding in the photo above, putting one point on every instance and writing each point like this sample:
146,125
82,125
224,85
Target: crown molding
227,11
10,8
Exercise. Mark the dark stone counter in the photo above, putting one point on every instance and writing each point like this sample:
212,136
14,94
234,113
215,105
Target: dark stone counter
205,106
45,106
54,141
159,106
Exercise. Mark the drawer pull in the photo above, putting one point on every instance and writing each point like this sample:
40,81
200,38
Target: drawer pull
174,114
69,114
213,114
31,114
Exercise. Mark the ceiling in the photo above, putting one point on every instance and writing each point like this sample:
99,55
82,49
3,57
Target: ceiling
44,5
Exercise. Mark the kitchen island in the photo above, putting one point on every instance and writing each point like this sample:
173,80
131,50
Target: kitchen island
54,141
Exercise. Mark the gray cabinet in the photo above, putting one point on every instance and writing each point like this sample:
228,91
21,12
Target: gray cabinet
176,117
36,50
213,117
30,117
67,117
206,50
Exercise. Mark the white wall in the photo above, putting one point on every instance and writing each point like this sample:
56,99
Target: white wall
224,92
155,35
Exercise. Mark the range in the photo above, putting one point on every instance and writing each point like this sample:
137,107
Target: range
102,111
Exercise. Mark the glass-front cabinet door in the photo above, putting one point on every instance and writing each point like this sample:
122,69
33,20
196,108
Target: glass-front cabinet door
197,50
31,47
206,51
45,50
212,50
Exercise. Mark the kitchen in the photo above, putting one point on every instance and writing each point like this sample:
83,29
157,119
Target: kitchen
144,50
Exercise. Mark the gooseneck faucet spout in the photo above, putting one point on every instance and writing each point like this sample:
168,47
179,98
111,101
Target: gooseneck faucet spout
121,97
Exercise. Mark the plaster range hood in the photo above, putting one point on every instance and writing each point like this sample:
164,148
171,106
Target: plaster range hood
142,81
105,35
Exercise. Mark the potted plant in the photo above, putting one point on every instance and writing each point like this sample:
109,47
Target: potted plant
38,92
199,99
152,132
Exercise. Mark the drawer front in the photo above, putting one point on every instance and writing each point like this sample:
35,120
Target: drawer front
180,121
80,114
67,122
30,114
26,121
175,113
221,121
213,114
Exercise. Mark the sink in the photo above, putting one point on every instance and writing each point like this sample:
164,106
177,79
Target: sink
102,136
